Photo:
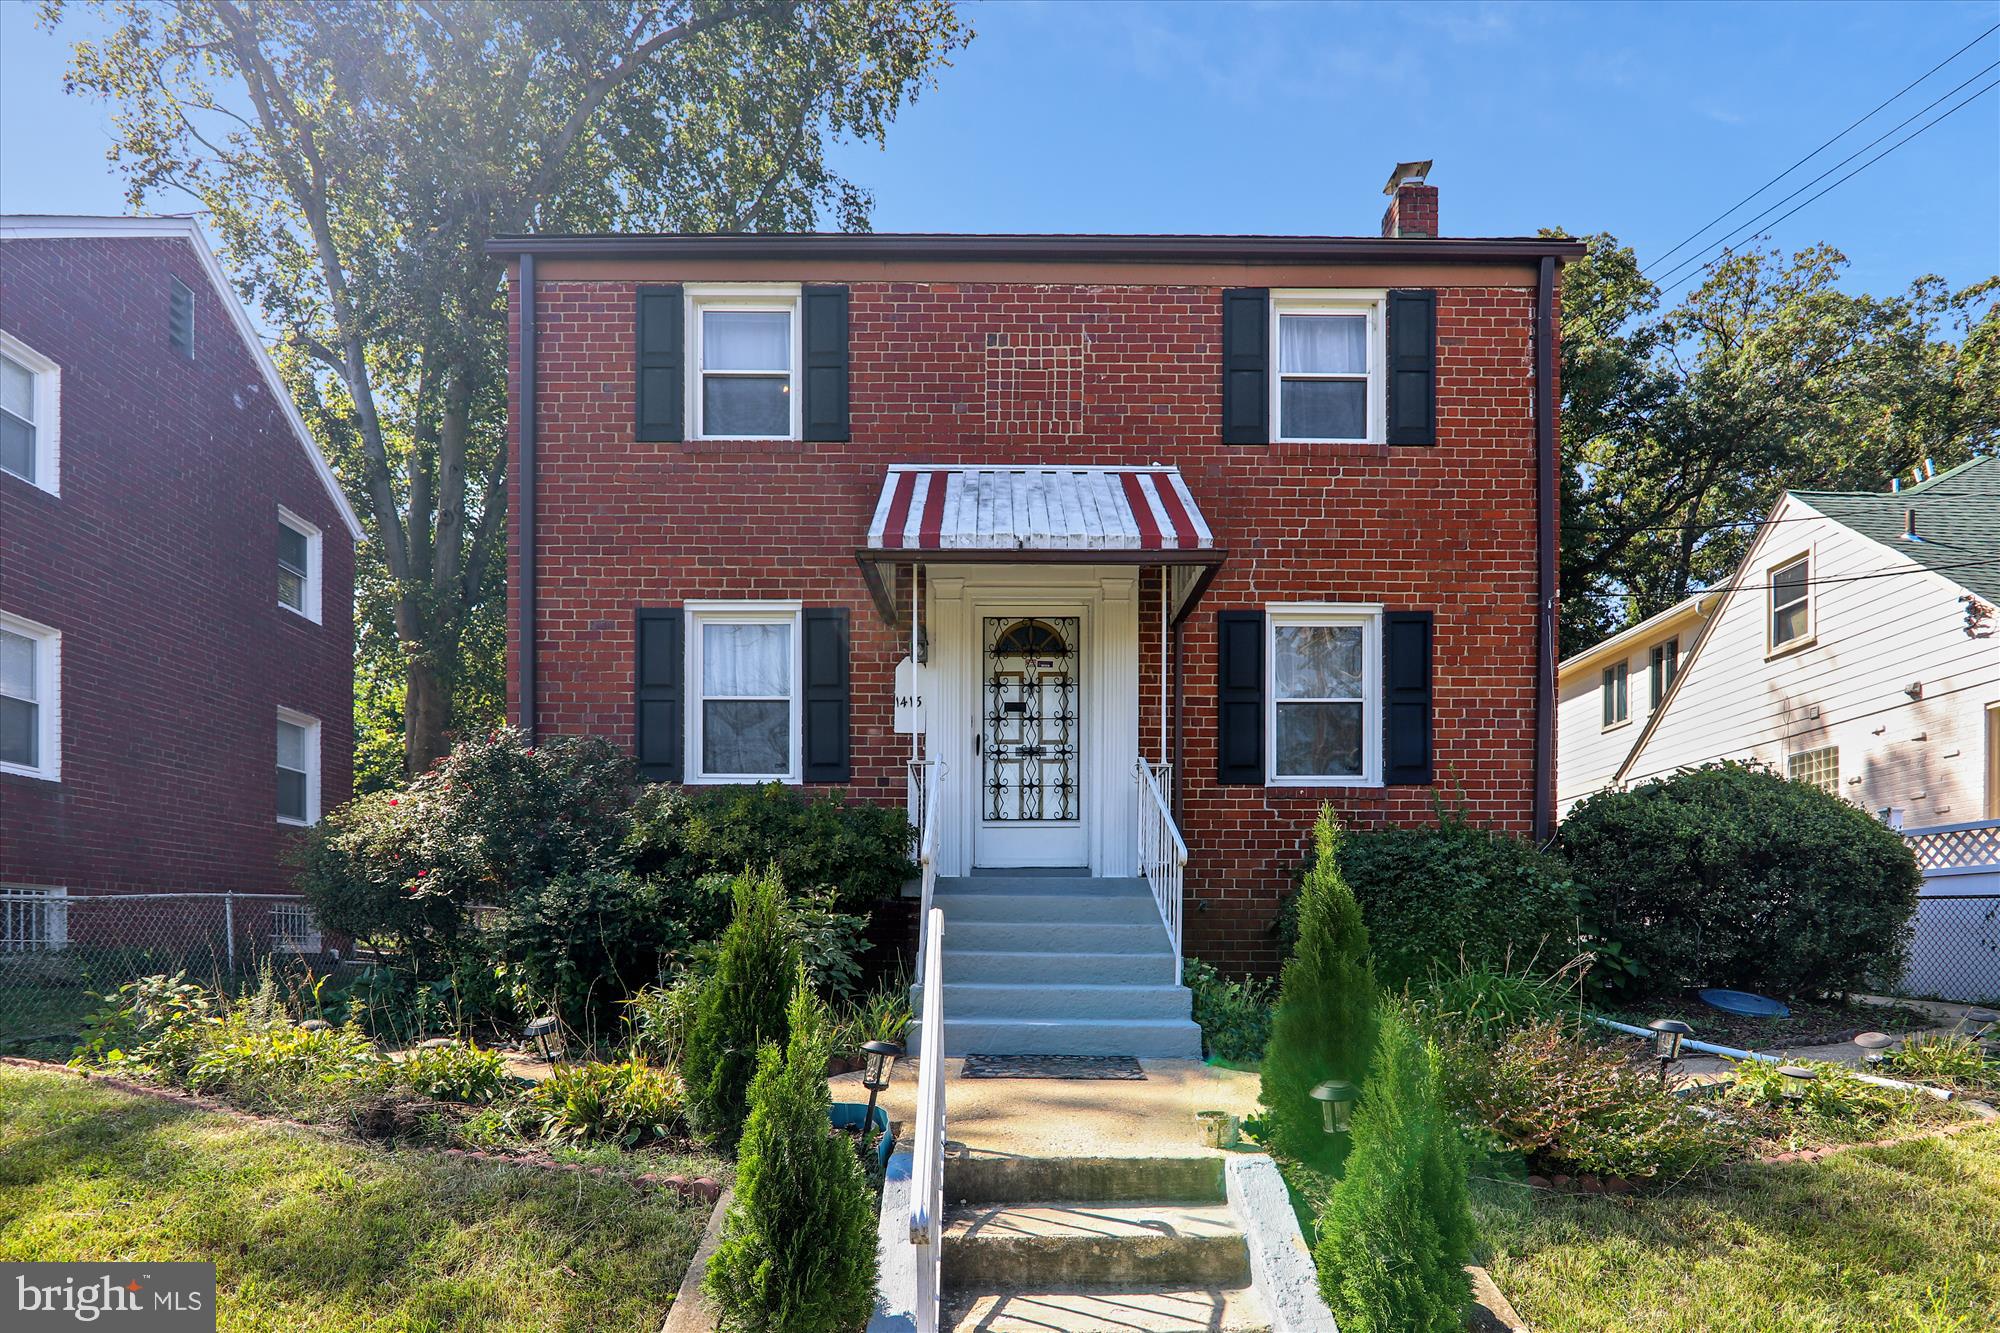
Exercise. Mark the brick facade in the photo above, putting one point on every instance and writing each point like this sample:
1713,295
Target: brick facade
156,562
1038,369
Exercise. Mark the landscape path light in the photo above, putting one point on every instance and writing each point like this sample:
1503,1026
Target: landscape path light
545,1033
1798,1078
1668,1034
1876,1046
1336,1105
881,1058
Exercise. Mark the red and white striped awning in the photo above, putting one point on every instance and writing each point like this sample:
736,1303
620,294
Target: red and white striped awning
1029,509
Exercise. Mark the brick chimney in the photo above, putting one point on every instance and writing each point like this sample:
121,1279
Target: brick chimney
1413,205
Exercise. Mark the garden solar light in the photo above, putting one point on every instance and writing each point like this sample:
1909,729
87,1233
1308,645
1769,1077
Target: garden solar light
544,1033
882,1057
1336,1105
1797,1079
1668,1034
1876,1044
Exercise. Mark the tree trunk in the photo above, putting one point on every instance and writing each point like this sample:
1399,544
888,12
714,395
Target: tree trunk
426,715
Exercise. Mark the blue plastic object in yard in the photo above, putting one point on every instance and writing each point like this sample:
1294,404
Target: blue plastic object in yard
848,1116
1744,1003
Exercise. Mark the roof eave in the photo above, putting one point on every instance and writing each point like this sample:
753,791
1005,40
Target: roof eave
1040,248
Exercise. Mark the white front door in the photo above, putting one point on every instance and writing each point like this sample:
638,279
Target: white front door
1030,739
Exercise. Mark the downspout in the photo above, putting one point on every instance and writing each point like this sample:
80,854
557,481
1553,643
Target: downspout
524,485
1545,546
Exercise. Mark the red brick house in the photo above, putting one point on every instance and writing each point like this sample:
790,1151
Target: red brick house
176,575
1255,521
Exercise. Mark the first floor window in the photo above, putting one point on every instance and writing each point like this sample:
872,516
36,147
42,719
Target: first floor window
744,353
1617,706
293,929
32,919
298,768
1329,363
1791,602
298,565
1666,665
1324,703
29,685
1816,768
744,667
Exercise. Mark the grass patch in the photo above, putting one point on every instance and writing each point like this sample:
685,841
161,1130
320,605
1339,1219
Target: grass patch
1898,1239
314,1235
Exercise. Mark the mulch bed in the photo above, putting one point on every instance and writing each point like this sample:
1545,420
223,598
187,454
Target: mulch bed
1811,1023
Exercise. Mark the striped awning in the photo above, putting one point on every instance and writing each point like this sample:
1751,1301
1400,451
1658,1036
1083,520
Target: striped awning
1037,509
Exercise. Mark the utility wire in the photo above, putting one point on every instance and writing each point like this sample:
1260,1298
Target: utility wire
1823,147
1723,523
1815,582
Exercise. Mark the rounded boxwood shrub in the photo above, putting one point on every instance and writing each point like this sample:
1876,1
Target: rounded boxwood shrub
1732,876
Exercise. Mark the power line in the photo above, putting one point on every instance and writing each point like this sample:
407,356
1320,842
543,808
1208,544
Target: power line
1823,147
1722,523
1815,582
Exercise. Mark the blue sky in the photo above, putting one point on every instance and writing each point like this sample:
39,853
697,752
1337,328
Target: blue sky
1643,120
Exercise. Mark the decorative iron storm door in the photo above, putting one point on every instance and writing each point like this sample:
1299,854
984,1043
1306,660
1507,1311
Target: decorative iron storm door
1029,726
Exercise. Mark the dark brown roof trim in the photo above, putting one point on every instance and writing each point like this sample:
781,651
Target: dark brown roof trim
1046,248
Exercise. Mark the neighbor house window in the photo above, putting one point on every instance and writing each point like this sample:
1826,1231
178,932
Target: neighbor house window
298,565
1617,705
745,364
1791,602
30,699
1666,665
33,919
30,405
1329,382
298,768
1816,768
1325,724
743,669
293,929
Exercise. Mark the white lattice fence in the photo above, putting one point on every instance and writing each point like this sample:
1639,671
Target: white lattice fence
1956,846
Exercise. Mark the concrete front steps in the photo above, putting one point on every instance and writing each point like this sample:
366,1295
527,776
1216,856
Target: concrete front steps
1058,964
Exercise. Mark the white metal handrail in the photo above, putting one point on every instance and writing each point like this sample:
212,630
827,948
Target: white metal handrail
927,1168
1163,855
926,779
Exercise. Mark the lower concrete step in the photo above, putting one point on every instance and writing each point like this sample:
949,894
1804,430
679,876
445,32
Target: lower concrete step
1094,1245
1127,1310
1040,1000
988,1034
1039,968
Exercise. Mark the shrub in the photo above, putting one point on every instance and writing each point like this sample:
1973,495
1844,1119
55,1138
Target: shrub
741,1007
851,855
1484,1006
661,1017
1324,1024
1234,1015
797,1253
153,1018
454,1073
1453,895
1397,1231
1727,876
586,942
627,1103
274,1065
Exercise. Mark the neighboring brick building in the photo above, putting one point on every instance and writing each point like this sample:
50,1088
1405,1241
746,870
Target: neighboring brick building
176,574
1323,456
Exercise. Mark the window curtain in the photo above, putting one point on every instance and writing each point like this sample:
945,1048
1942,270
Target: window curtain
746,340
1323,344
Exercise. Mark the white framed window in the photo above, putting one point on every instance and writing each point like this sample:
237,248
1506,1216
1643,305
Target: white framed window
298,565
30,699
30,414
293,929
743,672
298,768
33,918
1666,663
743,361
1816,768
1617,696
1324,669
1330,386
1791,618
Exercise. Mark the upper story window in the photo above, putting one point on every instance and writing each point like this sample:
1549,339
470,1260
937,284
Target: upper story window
743,670
1617,703
298,768
1325,692
298,565
1329,385
180,318
30,404
744,362
1666,665
1791,602
30,699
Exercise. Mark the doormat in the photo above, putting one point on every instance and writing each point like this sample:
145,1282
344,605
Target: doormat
1052,1066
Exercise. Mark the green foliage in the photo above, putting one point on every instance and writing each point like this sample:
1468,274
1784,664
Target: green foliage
1482,1006
277,1066
661,1017
847,856
1234,1014
460,1072
1452,894
1833,1096
829,943
1397,1232
151,1014
1946,1059
797,1253
1728,876
582,943
1324,1026
882,1014
741,1007
628,1103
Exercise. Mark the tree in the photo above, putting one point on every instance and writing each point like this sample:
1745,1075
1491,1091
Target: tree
1324,1026
741,1007
355,159
1681,429
1397,1232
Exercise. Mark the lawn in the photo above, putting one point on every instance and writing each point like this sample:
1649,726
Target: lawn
1891,1240
316,1234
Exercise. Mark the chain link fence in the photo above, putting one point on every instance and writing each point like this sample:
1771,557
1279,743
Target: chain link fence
1955,935
60,953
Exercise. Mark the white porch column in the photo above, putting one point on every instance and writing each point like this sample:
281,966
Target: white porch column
950,717
1114,676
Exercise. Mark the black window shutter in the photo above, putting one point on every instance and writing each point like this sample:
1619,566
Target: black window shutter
1412,367
826,363
1246,365
1406,699
1239,676
826,695
657,677
661,352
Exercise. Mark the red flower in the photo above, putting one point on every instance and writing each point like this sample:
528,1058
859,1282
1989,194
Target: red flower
392,800
422,873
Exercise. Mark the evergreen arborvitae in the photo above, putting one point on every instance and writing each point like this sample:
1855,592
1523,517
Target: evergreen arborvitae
1324,1026
1397,1233
797,1253
741,1007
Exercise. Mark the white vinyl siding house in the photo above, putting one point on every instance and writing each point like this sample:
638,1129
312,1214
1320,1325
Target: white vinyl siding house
1605,693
